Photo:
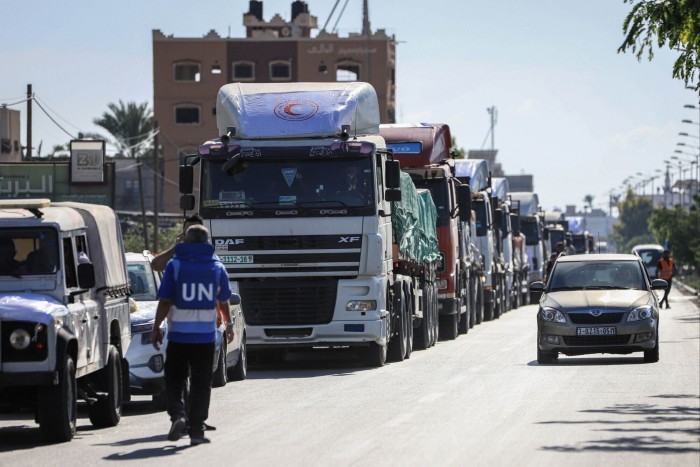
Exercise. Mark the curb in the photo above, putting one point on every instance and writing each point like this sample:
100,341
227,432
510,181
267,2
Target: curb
687,288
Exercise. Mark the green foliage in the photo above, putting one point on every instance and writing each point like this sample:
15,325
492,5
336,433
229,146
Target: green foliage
457,151
675,23
133,239
632,227
130,124
681,228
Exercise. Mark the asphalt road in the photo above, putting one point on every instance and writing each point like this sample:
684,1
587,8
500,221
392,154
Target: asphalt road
479,400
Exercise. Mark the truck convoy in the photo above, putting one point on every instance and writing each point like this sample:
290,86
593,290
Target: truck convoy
475,174
536,245
304,204
64,313
424,153
502,209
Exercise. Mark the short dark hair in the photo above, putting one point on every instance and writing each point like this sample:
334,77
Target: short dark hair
194,219
197,234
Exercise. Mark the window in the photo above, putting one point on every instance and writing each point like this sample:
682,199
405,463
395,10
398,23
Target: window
243,71
187,115
280,70
347,71
187,71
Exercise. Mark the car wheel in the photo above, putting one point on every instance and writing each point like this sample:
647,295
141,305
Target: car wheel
58,405
219,378
652,356
240,371
546,357
107,411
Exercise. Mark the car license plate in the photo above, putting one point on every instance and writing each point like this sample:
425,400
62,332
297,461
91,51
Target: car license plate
607,331
237,259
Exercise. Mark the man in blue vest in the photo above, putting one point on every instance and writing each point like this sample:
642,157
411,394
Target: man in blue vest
193,282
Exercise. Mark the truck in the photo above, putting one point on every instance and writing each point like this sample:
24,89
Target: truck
302,200
536,245
64,313
424,151
475,174
503,209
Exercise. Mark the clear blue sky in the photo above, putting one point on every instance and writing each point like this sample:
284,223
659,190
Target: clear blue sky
571,110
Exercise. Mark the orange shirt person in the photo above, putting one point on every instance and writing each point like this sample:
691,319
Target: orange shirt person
666,269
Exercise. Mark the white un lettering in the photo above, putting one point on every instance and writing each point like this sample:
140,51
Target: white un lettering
203,292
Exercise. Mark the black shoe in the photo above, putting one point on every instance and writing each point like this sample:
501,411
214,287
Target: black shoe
668,306
197,440
209,427
176,428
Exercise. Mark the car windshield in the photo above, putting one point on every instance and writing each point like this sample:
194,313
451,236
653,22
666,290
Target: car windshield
650,257
591,275
143,285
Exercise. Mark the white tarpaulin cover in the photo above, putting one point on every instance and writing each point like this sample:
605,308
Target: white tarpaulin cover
501,188
529,202
476,169
297,110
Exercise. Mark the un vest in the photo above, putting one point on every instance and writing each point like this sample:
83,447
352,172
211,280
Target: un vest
665,269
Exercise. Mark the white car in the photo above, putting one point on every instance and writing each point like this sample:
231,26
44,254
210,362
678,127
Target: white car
146,376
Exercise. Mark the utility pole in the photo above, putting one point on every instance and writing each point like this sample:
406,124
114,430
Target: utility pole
155,186
28,154
493,112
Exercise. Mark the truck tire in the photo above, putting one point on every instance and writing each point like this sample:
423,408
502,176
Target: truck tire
434,315
423,331
107,411
240,371
448,327
58,405
463,326
488,311
408,319
375,355
472,301
479,312
219,378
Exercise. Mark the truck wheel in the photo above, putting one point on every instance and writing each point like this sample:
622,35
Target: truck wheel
423,332
375,355
219,378
408,314
397,344
472,301
58,405
488,311
479,312
107,411
448,327
436,317
240,371
463,327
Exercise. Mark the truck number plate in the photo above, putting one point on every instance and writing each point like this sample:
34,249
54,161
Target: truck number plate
607,331
237,259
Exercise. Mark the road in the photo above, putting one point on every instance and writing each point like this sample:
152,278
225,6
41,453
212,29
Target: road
479,400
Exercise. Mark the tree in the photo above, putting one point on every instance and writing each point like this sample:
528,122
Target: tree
130,124
457,151
675,23
632,228
678,227
588,199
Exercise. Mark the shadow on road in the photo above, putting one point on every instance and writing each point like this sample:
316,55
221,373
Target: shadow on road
583,361
308,363
147,453
645,427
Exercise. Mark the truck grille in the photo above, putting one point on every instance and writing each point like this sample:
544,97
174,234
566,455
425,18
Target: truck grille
288,302
587,318
598,341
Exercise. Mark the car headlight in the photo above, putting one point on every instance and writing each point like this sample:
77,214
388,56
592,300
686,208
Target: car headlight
20,339
552,314
639,313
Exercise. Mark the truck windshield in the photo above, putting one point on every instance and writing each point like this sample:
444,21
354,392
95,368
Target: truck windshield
580,243
28,252
438,190
530,227
273,184
556,236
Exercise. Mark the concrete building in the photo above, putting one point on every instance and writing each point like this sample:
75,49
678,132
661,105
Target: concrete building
10,138
188,72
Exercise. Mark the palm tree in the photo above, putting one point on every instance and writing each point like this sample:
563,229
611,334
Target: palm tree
588,199
129,124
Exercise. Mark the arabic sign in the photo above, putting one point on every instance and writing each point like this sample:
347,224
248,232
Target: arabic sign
87,159
52,180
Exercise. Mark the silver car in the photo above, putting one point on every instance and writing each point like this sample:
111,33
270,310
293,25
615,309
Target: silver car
600,303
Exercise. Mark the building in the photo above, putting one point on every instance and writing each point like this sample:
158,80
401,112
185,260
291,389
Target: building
188,72
10,141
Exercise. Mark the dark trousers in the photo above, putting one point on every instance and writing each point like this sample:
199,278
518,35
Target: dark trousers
195,360
666,291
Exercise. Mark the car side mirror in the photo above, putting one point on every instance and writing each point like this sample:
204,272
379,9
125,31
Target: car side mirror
86,275
659,284
537,286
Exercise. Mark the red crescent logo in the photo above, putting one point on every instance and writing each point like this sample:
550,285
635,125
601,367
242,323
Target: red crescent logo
288,110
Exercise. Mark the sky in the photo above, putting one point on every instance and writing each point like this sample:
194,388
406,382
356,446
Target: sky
571,111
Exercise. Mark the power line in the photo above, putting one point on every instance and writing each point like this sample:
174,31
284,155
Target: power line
14,103
52,119
55,113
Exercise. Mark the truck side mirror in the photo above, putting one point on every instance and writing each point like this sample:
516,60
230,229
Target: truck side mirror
507,227
464,201
498,218
515,224
186,179
187,202
545,233
393,174
86,275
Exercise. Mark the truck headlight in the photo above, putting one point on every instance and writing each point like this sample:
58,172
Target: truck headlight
20,339
640,313
552,314
361,305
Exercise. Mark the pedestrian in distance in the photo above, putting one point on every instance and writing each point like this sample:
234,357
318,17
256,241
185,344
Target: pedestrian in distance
161,260
666,269
193,283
